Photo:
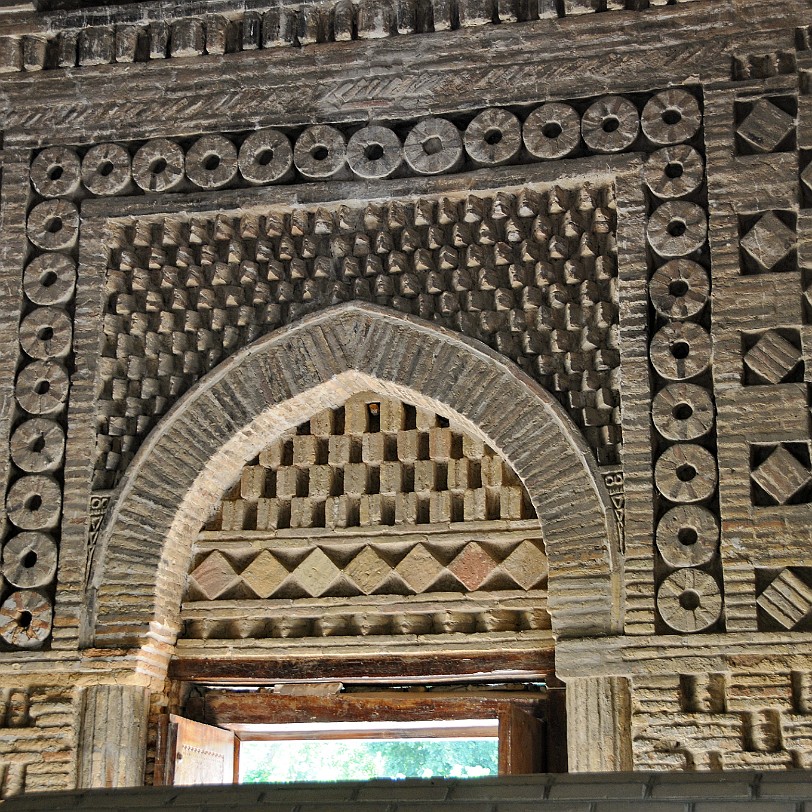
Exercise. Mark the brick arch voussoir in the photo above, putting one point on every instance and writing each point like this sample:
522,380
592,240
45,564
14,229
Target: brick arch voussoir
197,451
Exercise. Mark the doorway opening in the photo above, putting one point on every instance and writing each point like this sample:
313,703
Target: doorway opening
270,735
359,751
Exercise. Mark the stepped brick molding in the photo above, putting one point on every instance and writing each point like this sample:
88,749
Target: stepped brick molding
135,33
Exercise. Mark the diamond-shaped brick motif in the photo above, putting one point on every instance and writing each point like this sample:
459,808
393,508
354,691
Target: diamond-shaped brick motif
781,475
527,564
214,576
368,570
316,574
773,357
806,176
420,569
787,599
768,241
765,126
473,565
264,575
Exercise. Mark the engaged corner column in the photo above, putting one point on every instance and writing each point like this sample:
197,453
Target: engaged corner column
599,724
113,736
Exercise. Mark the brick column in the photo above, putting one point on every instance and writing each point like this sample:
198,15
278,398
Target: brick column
599,724
113,736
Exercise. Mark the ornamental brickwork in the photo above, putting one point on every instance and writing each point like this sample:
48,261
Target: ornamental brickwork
471,338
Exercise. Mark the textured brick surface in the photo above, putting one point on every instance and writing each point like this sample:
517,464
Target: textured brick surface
581,227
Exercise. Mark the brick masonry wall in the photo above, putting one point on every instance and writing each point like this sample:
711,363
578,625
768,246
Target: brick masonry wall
587,249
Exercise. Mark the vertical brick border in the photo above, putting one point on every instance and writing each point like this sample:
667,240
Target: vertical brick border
187,463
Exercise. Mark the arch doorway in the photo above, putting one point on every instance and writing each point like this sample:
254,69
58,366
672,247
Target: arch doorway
356,360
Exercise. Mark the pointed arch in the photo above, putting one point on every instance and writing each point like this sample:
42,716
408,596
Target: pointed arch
199,448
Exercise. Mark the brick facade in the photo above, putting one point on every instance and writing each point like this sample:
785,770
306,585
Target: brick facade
419,330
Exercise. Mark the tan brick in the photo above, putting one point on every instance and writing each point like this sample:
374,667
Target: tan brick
492,471
252,482
392,416
233,514
304,450
424,475
338,449
271,456
406,508
372,448
355,479
475,505
391,477
356,418
440,507
321,424
321,481
408,445
440,444
336,511
287,482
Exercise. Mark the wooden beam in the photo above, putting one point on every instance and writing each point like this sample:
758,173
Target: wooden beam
506,666
223,707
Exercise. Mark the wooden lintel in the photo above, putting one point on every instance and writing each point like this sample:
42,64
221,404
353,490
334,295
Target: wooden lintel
504,666
240,708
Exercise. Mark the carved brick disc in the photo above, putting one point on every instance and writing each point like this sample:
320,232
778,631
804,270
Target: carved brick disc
211,162
433,146
320,151
552,131
42,387
29,560
677,228
38,445
674,171
158,166
374,152
610,124
55,172
265,156
53,225
494,137
680,351
34,502
682,411
689,600
671,116
679,289
686,473
46,332
50,279
25,618
688,536
106,170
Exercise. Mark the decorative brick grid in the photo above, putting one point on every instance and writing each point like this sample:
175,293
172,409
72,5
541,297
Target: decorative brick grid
372,462
36,739
315,568
722,721
532,274
448,512
687,566
506,619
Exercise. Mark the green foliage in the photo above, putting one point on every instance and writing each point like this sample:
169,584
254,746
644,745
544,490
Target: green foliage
353,760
